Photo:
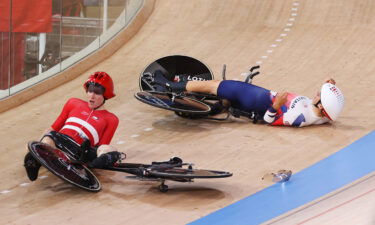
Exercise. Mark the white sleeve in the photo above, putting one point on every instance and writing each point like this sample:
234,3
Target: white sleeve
269,116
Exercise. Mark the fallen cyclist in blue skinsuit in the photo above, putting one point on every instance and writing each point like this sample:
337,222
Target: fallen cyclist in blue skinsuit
285,108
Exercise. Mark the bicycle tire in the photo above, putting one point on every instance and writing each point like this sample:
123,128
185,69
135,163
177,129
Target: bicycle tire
181,104
57,162
183,173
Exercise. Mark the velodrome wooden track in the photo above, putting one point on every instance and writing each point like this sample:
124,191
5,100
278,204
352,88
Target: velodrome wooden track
297,43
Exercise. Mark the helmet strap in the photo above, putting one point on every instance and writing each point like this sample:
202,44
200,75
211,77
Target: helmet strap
316,104
100,105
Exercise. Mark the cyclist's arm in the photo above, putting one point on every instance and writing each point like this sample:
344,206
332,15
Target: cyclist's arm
272,114
60,121
109,131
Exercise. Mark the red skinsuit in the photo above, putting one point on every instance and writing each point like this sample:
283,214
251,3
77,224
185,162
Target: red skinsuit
78,121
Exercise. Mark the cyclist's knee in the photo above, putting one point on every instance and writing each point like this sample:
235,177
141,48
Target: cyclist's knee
209,86
49,141
102,149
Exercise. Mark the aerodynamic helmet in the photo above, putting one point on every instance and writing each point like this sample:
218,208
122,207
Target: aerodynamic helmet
332,100
104,80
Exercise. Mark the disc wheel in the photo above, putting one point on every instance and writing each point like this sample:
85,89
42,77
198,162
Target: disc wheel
58,162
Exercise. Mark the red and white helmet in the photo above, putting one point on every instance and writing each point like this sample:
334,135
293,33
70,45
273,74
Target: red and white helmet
332,101
103,79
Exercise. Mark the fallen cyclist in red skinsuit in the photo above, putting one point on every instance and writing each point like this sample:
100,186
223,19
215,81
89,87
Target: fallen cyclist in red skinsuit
88,123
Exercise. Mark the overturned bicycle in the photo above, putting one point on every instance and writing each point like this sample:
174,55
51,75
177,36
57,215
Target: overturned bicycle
66,161
191,105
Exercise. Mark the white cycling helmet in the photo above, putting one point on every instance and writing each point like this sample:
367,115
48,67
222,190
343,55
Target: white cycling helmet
332,101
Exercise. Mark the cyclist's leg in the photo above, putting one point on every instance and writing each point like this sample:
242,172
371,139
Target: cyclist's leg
48,140
160,80
244,96
32,166
102,149
208,86
106,156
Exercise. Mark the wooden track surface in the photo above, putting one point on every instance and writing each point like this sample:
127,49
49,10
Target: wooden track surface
353,204
299,44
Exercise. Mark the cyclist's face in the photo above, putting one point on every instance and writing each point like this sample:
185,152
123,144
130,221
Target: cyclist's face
318,104
94,97
316,98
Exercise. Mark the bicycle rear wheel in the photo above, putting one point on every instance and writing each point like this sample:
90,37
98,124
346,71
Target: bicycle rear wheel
58,162
180,104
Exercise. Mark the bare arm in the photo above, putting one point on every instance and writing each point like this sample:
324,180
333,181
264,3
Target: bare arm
280,100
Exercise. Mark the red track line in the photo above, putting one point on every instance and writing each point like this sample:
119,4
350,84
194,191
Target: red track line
336,207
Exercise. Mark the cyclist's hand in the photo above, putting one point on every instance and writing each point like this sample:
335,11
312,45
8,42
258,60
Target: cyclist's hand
330,80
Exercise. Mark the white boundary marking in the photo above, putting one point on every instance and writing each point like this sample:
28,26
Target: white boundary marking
283,35
120,142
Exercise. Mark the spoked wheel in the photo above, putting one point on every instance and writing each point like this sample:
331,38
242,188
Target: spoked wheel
183,174
59,163
178,173
180,104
